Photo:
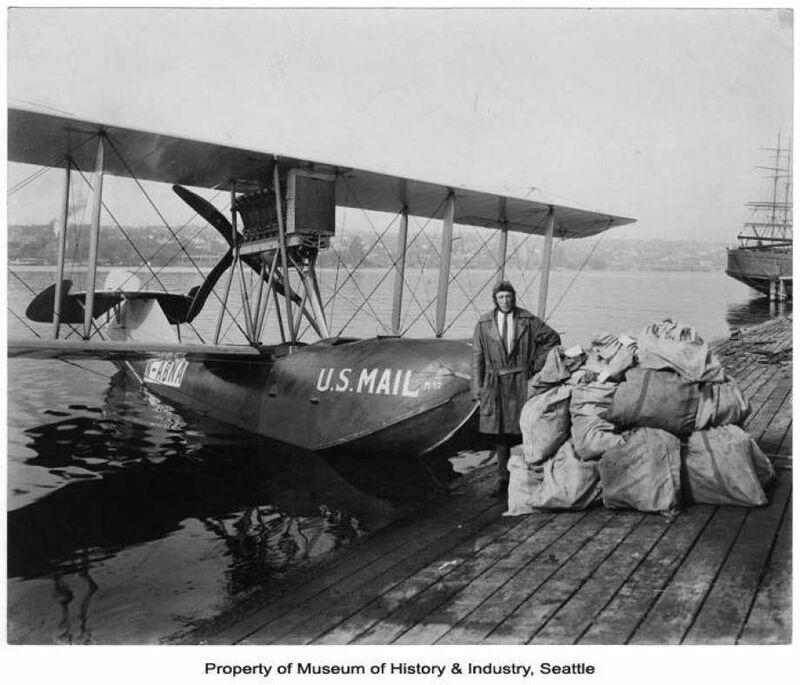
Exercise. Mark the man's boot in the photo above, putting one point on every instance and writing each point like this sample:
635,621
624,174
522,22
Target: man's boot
503,452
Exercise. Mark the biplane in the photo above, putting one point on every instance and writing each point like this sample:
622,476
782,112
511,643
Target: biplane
388,394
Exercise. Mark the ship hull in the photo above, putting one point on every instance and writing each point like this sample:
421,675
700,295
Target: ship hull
760,268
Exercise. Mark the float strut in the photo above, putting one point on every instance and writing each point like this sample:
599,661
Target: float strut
284,257
313,296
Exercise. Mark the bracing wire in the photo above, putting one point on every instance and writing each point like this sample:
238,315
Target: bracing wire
22,280
53,164
338,255
23,322
454,277
178,231
174,234
379,240
470,300
350,272
421,266
122,230
575,277
389,271
133,245
28,180
486,282
420,273
152,204
522,268
406,285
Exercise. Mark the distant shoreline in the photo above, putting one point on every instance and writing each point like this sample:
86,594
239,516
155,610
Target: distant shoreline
138,268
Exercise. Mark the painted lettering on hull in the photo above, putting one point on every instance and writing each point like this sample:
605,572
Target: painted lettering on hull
375,381
165,371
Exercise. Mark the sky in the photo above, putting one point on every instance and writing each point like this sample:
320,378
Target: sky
657,114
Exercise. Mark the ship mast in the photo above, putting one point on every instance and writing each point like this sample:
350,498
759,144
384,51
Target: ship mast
787,198
775,229
763,259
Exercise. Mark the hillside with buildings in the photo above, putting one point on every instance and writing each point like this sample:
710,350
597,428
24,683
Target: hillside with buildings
36,244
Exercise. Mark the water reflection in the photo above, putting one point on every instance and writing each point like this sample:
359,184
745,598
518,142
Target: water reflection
755,311
134,471
64,596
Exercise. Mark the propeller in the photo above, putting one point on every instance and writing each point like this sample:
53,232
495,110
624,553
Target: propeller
209,212
224,227
199,294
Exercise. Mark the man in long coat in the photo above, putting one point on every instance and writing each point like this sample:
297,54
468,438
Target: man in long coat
509,346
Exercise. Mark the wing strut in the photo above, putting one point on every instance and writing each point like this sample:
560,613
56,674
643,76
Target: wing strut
503,247
444,263
62,249
400,274
94,238
545,269
234,246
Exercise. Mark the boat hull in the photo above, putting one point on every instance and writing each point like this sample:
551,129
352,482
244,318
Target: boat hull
760,268
380,396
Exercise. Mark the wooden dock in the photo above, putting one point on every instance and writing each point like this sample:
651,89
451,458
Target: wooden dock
457,572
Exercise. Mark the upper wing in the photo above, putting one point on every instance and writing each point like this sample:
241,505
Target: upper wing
46,140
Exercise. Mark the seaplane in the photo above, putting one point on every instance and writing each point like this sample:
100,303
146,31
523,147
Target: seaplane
384,395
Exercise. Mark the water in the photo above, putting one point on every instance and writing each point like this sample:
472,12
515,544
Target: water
129,524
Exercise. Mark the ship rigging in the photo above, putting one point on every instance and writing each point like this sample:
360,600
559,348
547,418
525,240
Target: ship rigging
763,257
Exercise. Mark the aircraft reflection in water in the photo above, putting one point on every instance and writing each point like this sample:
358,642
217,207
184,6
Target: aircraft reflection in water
138,472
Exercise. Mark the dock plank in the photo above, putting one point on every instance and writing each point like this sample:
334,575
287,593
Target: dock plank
767,404
453,583
478,624
399,539
304,620
673,612
577,614
786,444
436,623
770,619
760,388
524,622
774,433
747,375
727,604
619,619
441,570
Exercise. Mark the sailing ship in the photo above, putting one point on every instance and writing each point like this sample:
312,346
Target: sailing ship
763,258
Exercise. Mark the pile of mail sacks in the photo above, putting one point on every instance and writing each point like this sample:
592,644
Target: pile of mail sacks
649,423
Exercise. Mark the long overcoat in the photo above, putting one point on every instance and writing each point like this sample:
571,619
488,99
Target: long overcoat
500,380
